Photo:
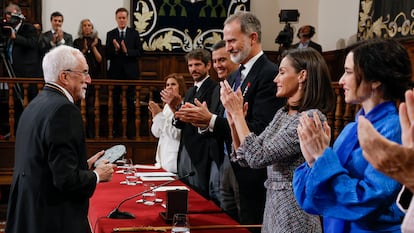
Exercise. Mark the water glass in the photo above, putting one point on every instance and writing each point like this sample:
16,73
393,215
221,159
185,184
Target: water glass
131,180
150,196
180,224
129,167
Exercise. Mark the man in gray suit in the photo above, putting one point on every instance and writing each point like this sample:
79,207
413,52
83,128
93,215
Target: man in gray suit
52,179
56,36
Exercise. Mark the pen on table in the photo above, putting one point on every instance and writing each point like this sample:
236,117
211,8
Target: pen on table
246,89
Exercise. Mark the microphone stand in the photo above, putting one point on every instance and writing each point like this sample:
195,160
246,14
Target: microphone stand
126,215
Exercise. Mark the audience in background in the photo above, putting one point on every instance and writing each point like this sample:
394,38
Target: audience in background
304,80
56,36
90,45
393,159
169,136
337,182
123,47
305,34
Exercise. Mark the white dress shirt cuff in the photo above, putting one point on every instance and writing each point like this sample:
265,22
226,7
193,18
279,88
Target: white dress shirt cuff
210,127
212,123
97,176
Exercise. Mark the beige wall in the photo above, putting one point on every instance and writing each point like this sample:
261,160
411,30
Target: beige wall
335,20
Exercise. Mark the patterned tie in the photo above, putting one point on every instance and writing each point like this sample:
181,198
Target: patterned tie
237,80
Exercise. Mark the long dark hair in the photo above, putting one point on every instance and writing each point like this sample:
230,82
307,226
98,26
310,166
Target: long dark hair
317,92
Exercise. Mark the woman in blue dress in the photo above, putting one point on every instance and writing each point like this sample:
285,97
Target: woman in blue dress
337,182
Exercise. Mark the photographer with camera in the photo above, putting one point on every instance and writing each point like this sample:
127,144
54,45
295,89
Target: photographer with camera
21,46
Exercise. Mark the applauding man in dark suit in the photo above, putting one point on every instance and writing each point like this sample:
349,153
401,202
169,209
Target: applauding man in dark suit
123,47
242,33
52,179
56,36
193,154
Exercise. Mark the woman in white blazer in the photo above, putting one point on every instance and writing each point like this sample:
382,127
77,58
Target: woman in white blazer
162,128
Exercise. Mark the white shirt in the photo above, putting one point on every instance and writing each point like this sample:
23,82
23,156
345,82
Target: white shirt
169,140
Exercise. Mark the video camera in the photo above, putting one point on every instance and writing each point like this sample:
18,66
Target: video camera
4,30
6,26
285,37
14,20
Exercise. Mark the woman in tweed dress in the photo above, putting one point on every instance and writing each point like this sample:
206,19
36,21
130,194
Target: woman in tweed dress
304,80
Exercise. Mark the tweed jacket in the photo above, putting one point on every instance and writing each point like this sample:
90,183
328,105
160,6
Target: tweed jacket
278,149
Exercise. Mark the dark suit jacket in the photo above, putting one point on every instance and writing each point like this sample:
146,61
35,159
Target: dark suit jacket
189,134
197,145
260,93
95,67
25,52
123,66
220,134
312,44
46,37
51,182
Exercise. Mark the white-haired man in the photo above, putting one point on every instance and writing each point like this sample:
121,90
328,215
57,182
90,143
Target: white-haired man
52,179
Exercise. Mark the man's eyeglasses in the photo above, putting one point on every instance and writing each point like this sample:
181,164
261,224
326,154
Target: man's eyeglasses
84,73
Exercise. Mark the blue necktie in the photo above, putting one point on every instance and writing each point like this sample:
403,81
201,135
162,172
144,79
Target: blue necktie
237,80
122,35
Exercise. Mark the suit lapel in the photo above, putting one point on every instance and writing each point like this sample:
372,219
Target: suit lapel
190,94
251,76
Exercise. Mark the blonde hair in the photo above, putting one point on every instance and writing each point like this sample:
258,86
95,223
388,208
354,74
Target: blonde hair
80,32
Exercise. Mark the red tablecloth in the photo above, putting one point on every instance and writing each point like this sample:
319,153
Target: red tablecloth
108,195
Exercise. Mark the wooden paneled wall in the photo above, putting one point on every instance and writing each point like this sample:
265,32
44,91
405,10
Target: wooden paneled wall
157,66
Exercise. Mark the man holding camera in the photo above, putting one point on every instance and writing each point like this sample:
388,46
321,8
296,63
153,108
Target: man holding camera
21,43
21,46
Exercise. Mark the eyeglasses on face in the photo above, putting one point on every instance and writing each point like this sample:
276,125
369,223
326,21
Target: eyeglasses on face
84,73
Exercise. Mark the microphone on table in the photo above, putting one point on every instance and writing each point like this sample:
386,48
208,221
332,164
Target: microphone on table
126,215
